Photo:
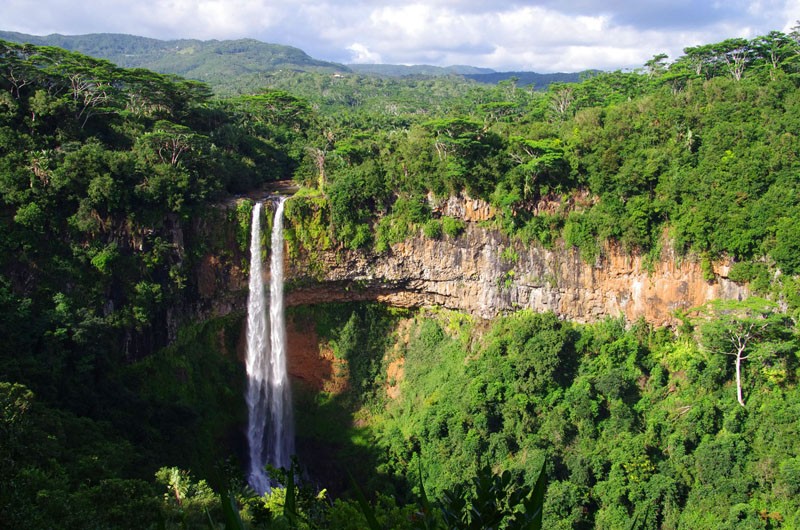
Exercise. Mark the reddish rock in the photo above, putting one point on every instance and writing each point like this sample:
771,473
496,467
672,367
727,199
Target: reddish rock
312,362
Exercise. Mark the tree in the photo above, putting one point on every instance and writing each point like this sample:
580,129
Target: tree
786,251
169,141
752,328
318,157
735,53
773,50
496,110
699,59
90,94
657,65
276,107
561,98
16,70
467,152
539,162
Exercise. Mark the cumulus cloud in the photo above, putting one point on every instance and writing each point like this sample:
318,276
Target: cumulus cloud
526,37
541,35
362,55
204,19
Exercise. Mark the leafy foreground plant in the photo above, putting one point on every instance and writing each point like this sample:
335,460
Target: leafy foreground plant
489,501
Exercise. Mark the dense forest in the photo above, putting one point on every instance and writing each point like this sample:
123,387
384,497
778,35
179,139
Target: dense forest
111,419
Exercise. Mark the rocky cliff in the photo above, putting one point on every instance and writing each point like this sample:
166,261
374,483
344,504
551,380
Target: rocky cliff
483,273
477,273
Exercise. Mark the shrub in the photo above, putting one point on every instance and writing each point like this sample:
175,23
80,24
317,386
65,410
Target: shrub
432,229
452,226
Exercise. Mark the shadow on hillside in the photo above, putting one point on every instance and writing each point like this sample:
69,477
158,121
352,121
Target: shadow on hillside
330,444
336,352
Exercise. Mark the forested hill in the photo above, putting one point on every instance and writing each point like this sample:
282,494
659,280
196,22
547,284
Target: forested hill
396,70
239,66
481,75
239,63
538,81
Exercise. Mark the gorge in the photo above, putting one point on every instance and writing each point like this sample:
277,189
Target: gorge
473,277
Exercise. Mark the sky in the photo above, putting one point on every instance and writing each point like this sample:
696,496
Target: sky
541,36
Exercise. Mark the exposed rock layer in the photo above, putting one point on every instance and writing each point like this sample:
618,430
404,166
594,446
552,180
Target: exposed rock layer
483,273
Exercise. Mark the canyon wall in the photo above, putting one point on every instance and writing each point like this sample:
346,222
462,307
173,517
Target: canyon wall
483,273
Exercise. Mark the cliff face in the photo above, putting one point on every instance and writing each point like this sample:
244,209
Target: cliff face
483,273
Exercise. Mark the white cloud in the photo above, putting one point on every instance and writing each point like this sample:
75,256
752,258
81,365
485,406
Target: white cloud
206,19
523,37
362,55
541,35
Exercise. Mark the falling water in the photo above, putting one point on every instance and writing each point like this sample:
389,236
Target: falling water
257,360
270,431
281,434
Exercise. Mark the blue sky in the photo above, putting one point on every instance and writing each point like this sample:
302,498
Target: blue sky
542,36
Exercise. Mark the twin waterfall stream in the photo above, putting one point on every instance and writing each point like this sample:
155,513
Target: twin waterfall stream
270,426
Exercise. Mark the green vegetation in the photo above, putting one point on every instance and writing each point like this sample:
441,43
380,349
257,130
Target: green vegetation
629,423
691,149
117,411
101,169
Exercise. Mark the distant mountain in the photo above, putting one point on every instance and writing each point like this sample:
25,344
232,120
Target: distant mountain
481,75
539,81
214,62
399,70
244,65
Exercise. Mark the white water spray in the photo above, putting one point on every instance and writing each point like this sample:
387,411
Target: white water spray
270,428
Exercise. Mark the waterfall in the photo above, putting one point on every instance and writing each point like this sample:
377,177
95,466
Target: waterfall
270,426
281,434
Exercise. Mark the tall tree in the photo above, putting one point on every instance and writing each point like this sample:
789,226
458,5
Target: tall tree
736,54
657,65
773,50
753,328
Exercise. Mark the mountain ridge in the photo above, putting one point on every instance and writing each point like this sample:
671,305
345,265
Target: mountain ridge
217,61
